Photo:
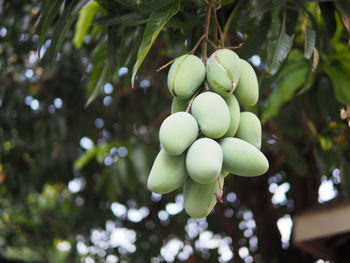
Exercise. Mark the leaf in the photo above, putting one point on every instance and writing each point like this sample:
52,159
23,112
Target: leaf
86,15
130,19
85,158
101,81
292,79
48,14
266,6
340,78
155,24
343,7
155,5
310,40
61,29
280,53
328,14
256,38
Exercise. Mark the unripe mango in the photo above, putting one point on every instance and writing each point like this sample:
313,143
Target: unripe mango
185,76
204,160
242,158
247,91
200,199
178,132
223,71
250,129
178,105
233,107
212,114
167,174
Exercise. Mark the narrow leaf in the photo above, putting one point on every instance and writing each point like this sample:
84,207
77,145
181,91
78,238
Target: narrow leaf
310,41
102,80
86,15
130,19
340,78
266,6
343,7
85,158
280,53
291,81
155,24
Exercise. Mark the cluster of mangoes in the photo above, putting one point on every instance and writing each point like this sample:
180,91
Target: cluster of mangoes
207,137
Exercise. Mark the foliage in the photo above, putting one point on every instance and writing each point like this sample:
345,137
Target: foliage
77,141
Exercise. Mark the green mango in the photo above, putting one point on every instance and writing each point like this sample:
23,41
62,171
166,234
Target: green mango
234,109
250,129
185,76
212,114
247,91
204,160
167,174
200,199
178,132
242,158
178,105
223,71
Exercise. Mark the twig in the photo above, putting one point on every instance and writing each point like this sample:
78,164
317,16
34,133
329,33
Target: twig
206,34
220,193
197,44
166,65
218,28
236,47
190,102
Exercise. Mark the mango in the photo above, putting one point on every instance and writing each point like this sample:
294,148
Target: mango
247,91
250,129
212,114
204,160
167,173
234,109
178,132
223,71
178,105
200,199
185,76
242,158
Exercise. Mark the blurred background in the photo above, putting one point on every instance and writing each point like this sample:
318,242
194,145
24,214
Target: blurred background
77,141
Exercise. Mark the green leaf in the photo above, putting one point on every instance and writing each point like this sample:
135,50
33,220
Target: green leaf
86,15
85,158
328,14
280,52
310,40
61,29
266,6
291,79
155,5
343,7
155,24
48,14
256,38
340,78
101,81
130,19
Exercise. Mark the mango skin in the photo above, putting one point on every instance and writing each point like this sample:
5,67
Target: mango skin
185,76
167,173
247,91
242,158
178,105
212,114
178,132
223,71
250,129
200,199
204,160
234,109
